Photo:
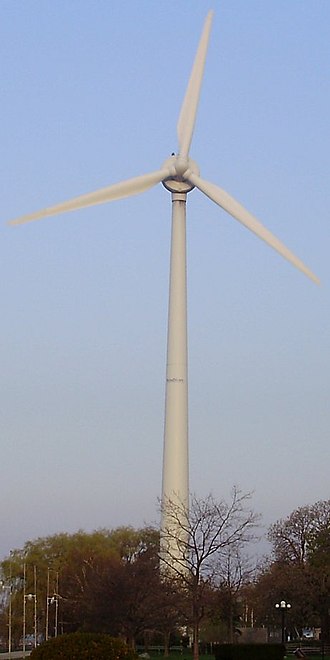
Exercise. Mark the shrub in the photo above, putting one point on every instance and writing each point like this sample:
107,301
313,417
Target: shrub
83,646
249,652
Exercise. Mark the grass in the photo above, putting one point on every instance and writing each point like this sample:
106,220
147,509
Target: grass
187,655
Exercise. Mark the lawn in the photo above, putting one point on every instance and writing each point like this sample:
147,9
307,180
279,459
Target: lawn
187,655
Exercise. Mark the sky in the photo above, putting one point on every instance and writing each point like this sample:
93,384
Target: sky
90,95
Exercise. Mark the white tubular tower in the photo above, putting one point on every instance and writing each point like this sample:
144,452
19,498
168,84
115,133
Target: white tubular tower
175,487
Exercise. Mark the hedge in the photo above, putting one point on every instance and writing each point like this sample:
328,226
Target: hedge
249,652
83,646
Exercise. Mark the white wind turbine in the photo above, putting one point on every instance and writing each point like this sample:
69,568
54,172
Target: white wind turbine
179,174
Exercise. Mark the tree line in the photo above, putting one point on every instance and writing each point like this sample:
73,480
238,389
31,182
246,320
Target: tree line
110,580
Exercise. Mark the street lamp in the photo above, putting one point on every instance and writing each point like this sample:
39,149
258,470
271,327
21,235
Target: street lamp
8,587
33,598
50,601
54,601
30,598
283,606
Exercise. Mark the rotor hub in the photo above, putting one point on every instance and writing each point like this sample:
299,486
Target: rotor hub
179,168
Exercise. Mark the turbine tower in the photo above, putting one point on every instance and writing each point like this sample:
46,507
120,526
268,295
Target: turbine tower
179,174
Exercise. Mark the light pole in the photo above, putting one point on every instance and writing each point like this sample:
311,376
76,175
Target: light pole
30,598
52,600
283,606
33,598
47,606
8,587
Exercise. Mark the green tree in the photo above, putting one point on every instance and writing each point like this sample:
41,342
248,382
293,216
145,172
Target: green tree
91,575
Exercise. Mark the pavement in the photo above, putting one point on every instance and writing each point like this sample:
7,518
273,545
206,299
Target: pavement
14,655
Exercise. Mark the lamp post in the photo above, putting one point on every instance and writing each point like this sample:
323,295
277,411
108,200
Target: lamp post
283,606
8,587
52,600
30,598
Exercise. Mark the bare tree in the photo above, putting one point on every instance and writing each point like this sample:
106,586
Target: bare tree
236,570
301,544
293,537
196,542
290,536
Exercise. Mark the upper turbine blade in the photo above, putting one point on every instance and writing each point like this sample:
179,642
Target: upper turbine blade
238,212
187,117
109,194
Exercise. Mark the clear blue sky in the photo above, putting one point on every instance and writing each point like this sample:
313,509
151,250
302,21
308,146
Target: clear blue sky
90,94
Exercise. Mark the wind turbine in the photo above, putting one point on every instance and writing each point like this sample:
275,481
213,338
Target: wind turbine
179,174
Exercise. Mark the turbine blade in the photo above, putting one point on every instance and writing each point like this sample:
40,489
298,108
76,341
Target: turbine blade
187,117
108,194
238,212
